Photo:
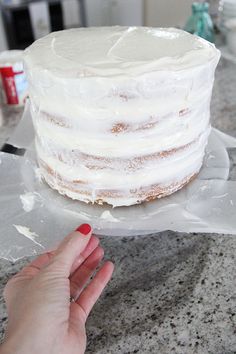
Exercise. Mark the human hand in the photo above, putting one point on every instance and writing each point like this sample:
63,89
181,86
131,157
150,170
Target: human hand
41,318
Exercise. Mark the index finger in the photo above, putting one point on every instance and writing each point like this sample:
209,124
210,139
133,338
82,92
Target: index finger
41,261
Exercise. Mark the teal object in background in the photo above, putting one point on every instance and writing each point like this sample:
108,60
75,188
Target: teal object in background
200,22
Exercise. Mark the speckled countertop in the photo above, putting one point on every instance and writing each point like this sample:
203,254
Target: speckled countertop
171,292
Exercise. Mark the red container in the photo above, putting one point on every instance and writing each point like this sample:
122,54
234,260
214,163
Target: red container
13,78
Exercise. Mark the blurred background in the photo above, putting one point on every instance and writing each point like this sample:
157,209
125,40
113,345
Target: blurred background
23,21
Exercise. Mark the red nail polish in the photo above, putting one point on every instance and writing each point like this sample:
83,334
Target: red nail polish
84,229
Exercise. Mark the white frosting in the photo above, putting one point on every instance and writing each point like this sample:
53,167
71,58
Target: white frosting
154,84
28,201
25,231
109,51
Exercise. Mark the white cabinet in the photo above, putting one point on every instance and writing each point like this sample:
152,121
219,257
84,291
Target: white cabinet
167,13
114,12
94,12
127,12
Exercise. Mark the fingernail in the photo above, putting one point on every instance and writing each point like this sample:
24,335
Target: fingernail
84,229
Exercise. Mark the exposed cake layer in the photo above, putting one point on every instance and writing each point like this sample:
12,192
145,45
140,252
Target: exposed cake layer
121,176
116,198
74,158
99,104
170,132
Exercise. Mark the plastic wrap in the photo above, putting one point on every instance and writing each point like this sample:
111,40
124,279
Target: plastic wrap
34,218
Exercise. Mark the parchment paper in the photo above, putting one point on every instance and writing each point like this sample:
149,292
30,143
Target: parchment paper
34,218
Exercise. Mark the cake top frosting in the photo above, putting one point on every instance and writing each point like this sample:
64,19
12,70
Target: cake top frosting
112,51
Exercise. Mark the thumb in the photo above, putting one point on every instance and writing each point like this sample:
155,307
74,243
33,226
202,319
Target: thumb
69,250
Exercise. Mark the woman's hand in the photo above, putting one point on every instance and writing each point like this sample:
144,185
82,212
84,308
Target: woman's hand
41,318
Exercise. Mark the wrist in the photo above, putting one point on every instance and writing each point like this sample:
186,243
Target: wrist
3,349
6,349
11,346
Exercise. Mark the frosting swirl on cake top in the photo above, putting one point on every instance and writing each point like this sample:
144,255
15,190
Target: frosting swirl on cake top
118,51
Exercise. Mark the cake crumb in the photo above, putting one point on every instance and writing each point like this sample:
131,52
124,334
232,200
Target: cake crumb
27,200
106,215
119,128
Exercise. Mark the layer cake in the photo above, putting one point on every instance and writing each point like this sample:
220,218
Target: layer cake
121,114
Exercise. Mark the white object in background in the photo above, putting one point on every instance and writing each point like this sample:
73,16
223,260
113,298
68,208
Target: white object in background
230,26
95,12
114,12
13,2
3,41
227,10
71,13
167,13
127,12
226,54
40,19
